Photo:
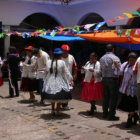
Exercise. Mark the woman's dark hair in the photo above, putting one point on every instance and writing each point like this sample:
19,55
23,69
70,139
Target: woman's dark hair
12,50
94,54
36,51
55,57
109,48
132,55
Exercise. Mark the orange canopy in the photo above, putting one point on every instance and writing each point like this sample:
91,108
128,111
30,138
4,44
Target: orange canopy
109,37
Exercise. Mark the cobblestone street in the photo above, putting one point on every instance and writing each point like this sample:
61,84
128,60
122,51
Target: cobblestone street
22,120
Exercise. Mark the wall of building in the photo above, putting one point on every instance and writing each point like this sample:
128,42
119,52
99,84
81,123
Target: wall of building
13,12
108,9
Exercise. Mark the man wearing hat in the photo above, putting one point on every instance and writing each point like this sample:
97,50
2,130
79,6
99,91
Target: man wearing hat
70,63
42,58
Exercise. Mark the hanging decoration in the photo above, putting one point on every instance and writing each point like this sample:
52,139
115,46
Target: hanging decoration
99,25
79,29
110,21
128,32
119,18
120,32
88,26
128,15
137,32
136,13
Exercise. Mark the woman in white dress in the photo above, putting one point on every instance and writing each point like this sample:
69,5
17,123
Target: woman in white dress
93,89
128,89
29,82
56,86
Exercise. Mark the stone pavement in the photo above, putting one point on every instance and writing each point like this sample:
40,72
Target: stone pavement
22,120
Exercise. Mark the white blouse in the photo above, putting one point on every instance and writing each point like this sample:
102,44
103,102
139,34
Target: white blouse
29,70
96,74
54,84
70,62
129,82
41,63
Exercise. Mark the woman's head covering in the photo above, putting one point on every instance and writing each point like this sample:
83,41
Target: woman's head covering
58,51
29,48
65,47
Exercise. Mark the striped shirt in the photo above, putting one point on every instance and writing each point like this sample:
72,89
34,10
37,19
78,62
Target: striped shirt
107,64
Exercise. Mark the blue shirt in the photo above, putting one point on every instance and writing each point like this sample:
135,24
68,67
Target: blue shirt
107,64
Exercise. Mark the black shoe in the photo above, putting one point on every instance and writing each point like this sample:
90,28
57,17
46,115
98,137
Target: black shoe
10,96
113,118
64,105
17,95
136,118
66,108
105,115
92,110
91,113
129,122
95,108
41,102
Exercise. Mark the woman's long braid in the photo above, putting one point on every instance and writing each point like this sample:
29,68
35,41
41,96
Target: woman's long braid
56,69
94,65
51,69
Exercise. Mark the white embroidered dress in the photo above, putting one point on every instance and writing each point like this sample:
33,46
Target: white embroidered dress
55,84
29,69
129,82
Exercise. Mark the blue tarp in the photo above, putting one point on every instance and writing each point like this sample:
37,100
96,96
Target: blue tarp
133,47
62,38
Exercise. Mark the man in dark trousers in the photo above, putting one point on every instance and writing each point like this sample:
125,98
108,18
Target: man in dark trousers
13,68
110,83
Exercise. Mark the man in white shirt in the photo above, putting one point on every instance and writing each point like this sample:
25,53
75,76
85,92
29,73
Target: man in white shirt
70,63
43,57
136,70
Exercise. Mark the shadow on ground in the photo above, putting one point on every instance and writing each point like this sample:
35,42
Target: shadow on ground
135,129
49,116
97,115
25,101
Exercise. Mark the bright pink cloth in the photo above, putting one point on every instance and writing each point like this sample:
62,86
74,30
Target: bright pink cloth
92,91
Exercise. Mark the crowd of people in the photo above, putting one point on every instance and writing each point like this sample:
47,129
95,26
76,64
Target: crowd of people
116,83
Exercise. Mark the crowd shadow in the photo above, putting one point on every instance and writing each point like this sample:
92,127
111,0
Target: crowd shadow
97,115
2,97
38,104
49,116
25,101
135,129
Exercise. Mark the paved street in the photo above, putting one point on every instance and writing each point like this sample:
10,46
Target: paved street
22,120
